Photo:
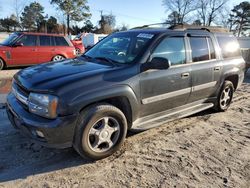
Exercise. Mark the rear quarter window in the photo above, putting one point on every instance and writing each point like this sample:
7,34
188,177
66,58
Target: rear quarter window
61,41
229,46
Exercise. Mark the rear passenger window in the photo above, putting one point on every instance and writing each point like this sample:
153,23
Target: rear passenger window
28,40
45,41
172,49
200,51
229,46
60,41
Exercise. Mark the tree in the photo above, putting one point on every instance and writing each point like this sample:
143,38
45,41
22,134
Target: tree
52,25
174,18
106,24
88,27
32,16
197,23
18,6
240,18
76,10
180,8
9,24
208,10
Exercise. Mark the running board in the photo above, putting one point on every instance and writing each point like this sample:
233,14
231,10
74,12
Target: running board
158,119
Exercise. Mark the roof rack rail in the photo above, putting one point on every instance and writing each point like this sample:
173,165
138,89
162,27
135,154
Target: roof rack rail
194,27
150,25
169,25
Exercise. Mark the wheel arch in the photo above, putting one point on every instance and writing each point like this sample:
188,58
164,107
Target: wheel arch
4,62
121,97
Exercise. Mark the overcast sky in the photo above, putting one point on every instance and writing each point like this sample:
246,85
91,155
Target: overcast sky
130,12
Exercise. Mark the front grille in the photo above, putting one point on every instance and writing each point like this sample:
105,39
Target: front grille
21,94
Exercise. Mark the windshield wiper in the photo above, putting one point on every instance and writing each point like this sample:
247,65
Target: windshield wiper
111,61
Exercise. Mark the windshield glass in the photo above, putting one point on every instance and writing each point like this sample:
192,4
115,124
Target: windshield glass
120,47
10,39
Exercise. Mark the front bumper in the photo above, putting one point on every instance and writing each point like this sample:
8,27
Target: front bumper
57,133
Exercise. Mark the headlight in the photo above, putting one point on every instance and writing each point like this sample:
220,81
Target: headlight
43,105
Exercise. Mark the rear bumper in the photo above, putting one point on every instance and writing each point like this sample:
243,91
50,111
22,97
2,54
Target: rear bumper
57,133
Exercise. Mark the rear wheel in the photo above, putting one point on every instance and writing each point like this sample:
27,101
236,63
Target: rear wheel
78,52
58,58
225,96
1,64
100,132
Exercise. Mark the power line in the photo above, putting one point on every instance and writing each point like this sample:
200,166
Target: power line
125,15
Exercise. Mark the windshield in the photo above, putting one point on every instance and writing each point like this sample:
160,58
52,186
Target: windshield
10,39
120,47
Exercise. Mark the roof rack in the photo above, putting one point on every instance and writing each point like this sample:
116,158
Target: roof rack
194,27
150,25
218,29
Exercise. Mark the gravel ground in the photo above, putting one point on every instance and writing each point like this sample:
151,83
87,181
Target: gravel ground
206,150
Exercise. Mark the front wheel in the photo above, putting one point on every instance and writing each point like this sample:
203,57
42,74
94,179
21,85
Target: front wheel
225,96
100,131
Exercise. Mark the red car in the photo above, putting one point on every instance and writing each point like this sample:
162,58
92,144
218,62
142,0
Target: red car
77,42
23,49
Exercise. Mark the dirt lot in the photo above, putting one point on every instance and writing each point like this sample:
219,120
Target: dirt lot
206,150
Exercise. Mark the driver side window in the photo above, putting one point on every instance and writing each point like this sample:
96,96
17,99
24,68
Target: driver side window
173,49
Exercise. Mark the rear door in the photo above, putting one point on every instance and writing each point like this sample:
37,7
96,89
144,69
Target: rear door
63,47
26,54
165,89
206,69
45,49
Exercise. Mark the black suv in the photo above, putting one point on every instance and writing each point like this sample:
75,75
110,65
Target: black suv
133,80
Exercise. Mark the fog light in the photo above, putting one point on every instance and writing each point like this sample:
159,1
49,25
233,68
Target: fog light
40,134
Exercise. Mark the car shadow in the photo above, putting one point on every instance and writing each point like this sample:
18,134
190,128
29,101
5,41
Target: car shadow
20,157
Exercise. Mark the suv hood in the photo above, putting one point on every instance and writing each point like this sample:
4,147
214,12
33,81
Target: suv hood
50,76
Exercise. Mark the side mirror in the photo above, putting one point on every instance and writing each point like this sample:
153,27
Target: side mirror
158,63
18,44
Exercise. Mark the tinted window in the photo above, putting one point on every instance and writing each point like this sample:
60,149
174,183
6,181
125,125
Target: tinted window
28,40
199,48
45,40
229,46
211,47
244,43
60,41
172,49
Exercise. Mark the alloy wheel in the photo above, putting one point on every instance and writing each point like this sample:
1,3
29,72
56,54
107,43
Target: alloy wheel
226,97
104,134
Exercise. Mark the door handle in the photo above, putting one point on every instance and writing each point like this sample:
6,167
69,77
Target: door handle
185,75
33,50
216,68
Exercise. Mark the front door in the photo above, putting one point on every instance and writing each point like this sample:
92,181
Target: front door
165,89
26,54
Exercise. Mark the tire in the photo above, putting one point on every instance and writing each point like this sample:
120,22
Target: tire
101,130
2,65
78,52
225,97
58,58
